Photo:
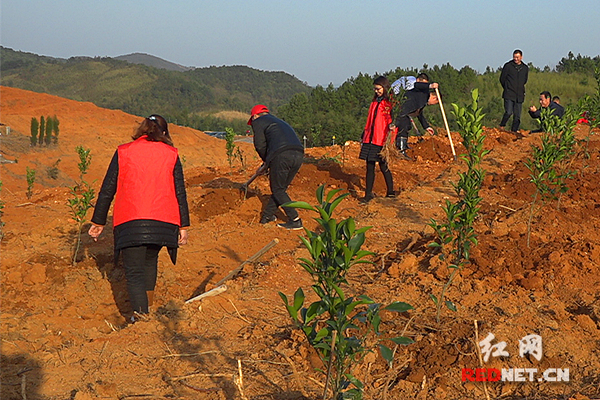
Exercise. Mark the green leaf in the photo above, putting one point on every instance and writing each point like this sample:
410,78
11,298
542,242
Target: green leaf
399,306
332,193
320,191
337,201
376,320
402,340
451,306
435,300
321,334
298,299
387,354
354,381
299,204
339,291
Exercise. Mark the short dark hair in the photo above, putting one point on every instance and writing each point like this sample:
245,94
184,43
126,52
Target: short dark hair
423,76
517,51
156,128
546,94
556,98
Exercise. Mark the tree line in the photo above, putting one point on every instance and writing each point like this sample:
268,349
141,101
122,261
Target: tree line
341,112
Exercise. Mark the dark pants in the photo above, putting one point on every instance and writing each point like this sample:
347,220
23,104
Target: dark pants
512,108
370,180
282,170
404,126
141,264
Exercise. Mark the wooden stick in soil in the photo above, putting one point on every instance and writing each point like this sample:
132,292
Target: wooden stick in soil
210,293
252,259
239,381
333,338
437,93
220,288
24,386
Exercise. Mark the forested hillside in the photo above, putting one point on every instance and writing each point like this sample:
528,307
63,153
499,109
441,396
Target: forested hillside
190,97
201,98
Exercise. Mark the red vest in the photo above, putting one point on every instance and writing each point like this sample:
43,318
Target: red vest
146,187
382,121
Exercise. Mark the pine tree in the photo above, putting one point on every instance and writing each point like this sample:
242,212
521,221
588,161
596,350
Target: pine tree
55,129
35,125
42,130
49,127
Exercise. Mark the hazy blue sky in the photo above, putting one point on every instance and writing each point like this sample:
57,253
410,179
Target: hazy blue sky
317,41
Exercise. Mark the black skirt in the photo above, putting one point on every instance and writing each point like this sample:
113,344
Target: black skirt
370,152
146,231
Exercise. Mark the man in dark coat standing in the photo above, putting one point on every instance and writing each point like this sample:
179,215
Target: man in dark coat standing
282,153
513,79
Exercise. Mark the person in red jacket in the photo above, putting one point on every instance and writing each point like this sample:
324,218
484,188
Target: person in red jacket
150,210
374,137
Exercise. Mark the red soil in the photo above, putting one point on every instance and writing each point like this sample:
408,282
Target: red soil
63,328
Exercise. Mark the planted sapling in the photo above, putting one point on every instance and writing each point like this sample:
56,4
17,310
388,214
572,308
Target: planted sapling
456,236
82,196
549,164
337,325
30,182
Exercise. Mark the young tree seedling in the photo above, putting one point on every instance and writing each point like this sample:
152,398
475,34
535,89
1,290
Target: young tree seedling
337,325
456,236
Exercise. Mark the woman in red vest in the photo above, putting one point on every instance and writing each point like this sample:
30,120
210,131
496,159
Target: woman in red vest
374,138
150,211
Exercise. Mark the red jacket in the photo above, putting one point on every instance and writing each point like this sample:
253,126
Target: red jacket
145,185
376,132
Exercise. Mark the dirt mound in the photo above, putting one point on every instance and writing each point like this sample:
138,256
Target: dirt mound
64,326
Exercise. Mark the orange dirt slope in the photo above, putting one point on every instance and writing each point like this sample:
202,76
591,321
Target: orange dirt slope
64,331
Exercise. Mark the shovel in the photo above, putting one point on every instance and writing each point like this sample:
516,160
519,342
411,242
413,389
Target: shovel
260,171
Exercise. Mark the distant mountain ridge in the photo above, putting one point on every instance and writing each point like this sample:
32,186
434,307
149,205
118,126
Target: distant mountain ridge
152,61
128,83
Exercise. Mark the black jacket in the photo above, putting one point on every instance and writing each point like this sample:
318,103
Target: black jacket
414,101
513,79
273,136
555,109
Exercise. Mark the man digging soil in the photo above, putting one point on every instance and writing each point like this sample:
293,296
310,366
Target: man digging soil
282,153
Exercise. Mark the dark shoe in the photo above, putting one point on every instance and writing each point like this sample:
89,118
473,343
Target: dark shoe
366,199
405,156
402,143
292,225
266,219
390,195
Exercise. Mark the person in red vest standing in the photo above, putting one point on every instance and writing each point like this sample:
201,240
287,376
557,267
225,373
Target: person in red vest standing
150,211
374,137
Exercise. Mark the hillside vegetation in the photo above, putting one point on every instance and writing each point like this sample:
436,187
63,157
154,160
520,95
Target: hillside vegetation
152,61
188,98
197,97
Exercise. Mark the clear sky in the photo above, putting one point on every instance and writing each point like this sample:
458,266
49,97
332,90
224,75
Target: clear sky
318,41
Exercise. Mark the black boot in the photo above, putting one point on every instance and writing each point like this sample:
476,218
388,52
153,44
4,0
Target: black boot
402,144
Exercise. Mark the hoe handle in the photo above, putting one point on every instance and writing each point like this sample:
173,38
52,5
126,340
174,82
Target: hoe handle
437,93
